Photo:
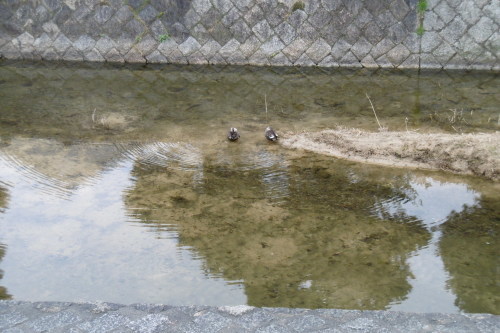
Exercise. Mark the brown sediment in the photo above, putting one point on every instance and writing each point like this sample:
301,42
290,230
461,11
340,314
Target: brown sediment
476,154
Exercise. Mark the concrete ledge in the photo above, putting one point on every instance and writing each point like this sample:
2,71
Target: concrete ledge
16,316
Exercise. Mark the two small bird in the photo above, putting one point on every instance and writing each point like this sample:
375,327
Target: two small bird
234,135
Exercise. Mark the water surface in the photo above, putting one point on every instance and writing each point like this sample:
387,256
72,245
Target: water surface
117,184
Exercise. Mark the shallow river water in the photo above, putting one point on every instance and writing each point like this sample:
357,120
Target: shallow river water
117,184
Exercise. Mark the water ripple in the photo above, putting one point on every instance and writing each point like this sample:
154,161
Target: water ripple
45,183
180,156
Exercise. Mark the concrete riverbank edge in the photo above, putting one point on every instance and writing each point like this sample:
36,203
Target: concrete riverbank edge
18,316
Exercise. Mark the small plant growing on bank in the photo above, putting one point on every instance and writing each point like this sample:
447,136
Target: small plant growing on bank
420,30
422,6
299,5
163,37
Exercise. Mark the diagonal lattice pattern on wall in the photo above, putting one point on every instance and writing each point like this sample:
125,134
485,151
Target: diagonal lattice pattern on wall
351,33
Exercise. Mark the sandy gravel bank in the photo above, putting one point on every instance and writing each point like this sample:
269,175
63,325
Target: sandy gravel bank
477,154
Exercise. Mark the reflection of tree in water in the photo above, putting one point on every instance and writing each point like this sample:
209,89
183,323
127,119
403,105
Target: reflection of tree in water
3,199
3,291
3,206
317,248
469,248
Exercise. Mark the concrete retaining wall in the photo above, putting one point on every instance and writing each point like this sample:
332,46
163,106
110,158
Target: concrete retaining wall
107,317
350,33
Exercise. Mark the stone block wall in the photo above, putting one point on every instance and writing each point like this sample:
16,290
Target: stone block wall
347,33
461,34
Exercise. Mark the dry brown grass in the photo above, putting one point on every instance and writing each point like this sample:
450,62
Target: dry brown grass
476,154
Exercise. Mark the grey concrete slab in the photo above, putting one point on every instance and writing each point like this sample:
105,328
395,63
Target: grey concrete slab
18,316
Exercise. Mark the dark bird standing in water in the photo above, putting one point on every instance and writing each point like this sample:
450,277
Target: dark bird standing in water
271,134
233,134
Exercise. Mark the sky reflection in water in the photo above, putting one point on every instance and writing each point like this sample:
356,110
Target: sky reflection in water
80,248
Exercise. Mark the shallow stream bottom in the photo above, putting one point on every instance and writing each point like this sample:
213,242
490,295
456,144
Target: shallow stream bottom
154,205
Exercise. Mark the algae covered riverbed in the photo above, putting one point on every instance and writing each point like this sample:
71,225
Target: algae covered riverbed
144,199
